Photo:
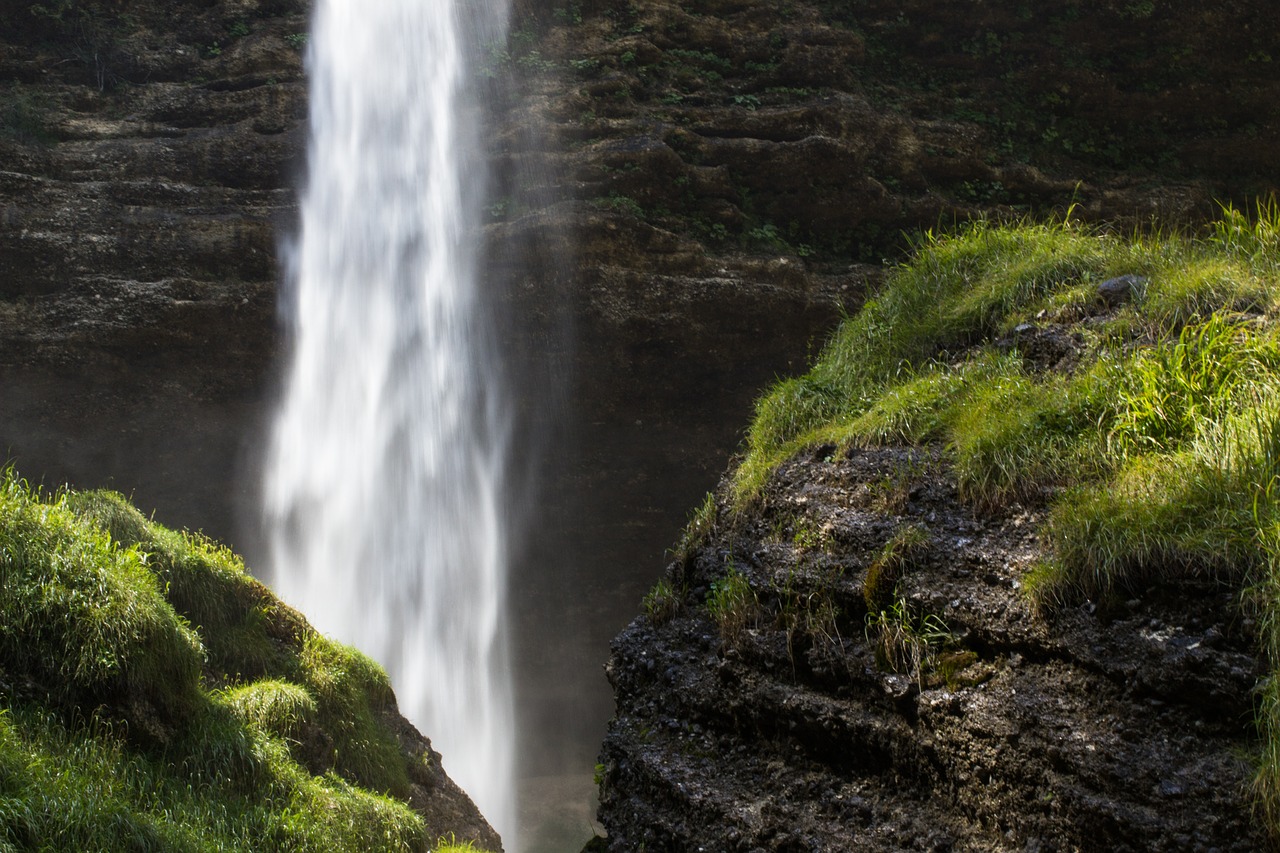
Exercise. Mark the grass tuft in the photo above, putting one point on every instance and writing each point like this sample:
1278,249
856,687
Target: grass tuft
880,586
732,605
247,631
86,620
662,603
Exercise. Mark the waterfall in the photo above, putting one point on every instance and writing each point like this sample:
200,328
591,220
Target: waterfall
384,491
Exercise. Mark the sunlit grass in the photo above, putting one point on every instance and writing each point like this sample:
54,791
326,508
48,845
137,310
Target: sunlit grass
121,730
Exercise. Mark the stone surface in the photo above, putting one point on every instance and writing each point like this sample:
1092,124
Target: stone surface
1072,730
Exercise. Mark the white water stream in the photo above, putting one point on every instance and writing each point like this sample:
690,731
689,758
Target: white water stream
384,481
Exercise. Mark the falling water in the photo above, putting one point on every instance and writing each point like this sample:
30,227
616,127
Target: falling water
384,478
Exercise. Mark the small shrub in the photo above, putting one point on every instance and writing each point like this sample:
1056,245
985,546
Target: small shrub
621,203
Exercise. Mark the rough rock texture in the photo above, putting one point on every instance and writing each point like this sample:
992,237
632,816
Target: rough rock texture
824,128
147,152
1074,730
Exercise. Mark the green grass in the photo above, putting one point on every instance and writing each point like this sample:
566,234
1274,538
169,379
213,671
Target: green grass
919,352
156,697
662,602
880,586
732,604
1156,452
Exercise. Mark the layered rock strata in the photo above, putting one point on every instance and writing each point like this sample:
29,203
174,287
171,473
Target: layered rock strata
813,727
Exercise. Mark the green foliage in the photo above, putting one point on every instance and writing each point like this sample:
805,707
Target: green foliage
662,602
1255,241
701,523
109,739
913,409
351,691
904,642
1157,454
732,604
957,290
274,706
82,788
879,587
86,619
1173,388
621,203
1200,510
247,631
1014,435
808,610
891,372
569,13
452,845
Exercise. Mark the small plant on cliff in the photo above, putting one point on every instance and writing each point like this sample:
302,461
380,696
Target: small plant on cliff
701,524
453,845
905,643
662,603
879,587
732,604
810,611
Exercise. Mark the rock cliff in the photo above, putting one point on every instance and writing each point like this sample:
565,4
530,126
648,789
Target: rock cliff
1123,729
693,191
148,153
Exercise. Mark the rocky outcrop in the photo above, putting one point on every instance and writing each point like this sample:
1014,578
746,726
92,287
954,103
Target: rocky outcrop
960,719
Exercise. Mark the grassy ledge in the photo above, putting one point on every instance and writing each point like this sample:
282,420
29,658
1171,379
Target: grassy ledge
1129,384
154,696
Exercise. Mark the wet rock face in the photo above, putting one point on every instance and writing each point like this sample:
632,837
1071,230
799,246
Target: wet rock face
824,129
149,151
818,729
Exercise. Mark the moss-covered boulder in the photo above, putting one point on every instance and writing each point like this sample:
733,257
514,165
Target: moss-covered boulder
154,696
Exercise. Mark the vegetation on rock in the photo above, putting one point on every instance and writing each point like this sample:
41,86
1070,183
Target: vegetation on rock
154,696
1125,383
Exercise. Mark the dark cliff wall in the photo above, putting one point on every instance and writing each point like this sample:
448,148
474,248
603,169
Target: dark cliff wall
149,151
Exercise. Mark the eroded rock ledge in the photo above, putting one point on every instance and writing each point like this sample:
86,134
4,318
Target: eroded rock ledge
1124,728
